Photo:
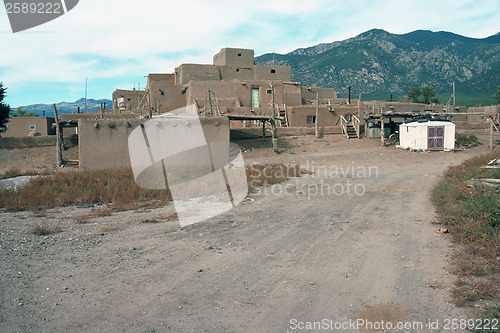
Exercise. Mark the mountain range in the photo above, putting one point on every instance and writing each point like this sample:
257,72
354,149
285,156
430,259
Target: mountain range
93,105
378,64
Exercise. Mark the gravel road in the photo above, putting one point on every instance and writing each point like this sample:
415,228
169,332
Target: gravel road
300,252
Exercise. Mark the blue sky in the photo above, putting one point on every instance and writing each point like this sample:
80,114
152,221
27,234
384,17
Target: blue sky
115,43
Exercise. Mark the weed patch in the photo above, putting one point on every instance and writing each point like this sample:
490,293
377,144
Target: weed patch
44,230
471,211
95,213
465,140
116,188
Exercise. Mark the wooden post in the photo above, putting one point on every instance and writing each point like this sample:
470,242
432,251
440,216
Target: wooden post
149,105
491,133
382,133
205,107
58,138
316,125
210,101
273,124
263,128
102,112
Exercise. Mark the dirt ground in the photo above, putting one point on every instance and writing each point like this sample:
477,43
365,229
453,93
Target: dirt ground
353,239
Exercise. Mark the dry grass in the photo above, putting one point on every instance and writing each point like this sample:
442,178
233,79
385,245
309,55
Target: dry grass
259,174
161,218
114,187
468,290
103,228
95,213
472,214
44,230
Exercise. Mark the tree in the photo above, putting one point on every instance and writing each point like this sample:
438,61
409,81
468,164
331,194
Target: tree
22,113
4,108
429,95
415,95
426,95
497,95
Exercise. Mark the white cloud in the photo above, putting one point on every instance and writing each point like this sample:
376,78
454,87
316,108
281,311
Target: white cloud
121,39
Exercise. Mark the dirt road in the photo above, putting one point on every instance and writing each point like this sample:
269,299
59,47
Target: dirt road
294,254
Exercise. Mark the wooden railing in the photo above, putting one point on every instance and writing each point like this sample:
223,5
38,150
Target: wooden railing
357,124
343,123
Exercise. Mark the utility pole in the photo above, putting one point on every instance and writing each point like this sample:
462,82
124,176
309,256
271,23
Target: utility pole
454,101
273,124
316,125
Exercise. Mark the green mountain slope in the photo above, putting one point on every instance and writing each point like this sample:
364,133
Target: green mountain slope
378,64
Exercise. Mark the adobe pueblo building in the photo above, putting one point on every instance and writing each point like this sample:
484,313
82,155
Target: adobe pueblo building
234,85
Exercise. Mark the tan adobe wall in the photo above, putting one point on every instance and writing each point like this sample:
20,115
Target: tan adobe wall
292,93
329,116
96,116
197,91
238,73
266,72
234,58
309,94
190,72
161,79
169,97
131,99
489,112
19,127
103,144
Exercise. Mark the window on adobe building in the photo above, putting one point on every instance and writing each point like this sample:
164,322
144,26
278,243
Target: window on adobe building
311,119
269,91
273,71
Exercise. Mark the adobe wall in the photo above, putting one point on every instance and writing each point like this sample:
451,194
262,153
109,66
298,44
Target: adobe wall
329,116
284,93
254,133
489,112
169,97
234,58
292,93
96,116
131,99
190,72
18,127
161,79
309,94
238,73
267,72
103,144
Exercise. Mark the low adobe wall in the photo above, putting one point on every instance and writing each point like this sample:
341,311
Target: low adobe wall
103,144
256,132
28,142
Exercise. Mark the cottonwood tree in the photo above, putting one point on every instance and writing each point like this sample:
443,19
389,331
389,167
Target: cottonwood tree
4,108
426,95
497,95
22,113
